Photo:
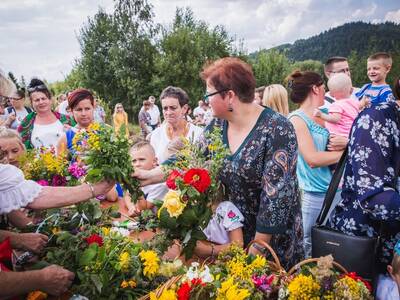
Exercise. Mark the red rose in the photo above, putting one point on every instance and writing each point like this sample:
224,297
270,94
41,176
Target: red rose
198,178
171,179
183,292
197,281
94,238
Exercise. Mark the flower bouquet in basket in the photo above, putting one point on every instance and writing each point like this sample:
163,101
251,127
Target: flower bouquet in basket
103,154
47,168
235,275
108,265
193,182
322,278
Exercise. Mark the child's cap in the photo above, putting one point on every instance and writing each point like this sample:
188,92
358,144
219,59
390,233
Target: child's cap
397,248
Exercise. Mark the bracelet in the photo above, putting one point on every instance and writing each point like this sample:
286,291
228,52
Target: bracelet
212,251
260,248
91,189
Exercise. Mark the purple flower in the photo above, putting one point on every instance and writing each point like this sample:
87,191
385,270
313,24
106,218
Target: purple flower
43,182
58,180
263,282
76,171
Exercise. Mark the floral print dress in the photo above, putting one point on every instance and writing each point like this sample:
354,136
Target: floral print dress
370,192
260,179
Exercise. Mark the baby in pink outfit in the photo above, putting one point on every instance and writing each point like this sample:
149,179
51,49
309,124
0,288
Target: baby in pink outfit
344,110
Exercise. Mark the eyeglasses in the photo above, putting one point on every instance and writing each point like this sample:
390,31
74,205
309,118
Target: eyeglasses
344,70
37,88
206,96
5,99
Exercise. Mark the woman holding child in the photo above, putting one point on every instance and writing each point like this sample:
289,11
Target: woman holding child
260,173
307,89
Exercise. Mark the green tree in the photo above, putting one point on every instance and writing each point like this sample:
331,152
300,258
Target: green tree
308,65
184,48
270,67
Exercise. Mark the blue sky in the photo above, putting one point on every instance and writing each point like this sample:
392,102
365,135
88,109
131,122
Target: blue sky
39,36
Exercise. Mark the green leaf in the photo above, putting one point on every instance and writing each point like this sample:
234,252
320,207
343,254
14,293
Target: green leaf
166,220
97,282
88,255
188,217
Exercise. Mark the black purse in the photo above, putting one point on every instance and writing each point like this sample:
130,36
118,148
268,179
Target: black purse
355,253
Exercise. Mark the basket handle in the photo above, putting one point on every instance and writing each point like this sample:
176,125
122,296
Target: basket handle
312,260
267,246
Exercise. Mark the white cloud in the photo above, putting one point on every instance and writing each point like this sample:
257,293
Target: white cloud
393,16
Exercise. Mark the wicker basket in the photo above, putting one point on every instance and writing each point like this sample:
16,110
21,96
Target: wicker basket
165,286
297,267
275,265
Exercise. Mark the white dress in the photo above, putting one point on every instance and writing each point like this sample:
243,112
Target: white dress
15,191
227,217
47,135
387,289
159,139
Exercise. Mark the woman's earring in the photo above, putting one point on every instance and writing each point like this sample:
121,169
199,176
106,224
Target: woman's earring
230,108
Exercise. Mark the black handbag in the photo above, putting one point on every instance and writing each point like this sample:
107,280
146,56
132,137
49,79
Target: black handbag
355,253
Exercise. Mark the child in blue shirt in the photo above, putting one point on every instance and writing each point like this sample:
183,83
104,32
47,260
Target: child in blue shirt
378,91
389,285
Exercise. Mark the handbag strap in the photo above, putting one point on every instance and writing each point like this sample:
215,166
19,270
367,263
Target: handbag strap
333,185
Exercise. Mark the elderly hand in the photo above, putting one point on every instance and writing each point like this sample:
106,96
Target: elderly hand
34,242
55,280
102,187
337,142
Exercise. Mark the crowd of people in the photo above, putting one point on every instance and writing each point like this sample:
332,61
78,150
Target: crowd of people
276,175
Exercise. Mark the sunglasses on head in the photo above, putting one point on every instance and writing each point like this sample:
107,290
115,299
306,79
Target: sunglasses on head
37,88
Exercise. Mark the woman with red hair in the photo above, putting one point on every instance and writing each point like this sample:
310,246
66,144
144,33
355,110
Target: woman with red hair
81,103
260,172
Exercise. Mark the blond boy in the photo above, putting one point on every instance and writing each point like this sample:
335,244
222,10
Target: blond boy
143,157
378,91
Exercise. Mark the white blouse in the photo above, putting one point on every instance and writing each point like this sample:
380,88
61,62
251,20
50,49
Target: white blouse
15,191
227,218
47,135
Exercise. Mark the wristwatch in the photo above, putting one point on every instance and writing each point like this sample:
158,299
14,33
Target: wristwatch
261,249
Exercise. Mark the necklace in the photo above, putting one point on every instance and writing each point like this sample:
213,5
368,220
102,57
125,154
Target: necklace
183,124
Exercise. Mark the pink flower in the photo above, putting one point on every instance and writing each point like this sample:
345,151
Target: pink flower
43,182
76,170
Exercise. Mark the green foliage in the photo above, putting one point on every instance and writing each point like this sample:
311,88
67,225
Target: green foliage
270,67
183,50
364,38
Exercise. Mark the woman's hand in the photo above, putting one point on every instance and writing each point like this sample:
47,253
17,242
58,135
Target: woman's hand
34,242
337,142
55,280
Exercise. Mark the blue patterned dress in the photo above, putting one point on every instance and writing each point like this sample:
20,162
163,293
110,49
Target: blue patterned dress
370,193
260,179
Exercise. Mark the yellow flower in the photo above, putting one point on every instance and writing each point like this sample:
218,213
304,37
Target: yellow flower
105,230
124,260
94,126
132,284
304,287
348,288
55,230
150,262
124,284
230,291
258,263
173,204
166,295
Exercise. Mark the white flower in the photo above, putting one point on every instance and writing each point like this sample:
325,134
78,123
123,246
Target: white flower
364,182
120,231
363,122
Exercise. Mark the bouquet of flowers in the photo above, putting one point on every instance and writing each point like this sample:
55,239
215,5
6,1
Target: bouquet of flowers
109,265
234,276
105,155
193,182
47,168
322,281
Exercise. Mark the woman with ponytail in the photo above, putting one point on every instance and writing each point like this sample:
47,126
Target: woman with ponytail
42,127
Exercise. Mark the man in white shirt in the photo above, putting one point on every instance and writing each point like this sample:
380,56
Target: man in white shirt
154,112
334,65
62,107
15,113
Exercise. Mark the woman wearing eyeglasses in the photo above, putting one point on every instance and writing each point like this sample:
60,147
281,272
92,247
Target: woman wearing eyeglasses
17,111
174,103
260,172
120,118
42,127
